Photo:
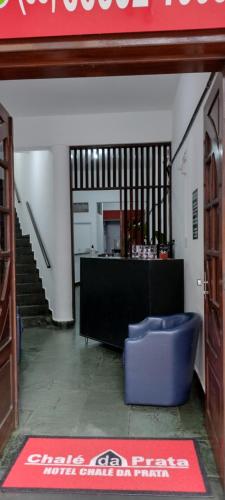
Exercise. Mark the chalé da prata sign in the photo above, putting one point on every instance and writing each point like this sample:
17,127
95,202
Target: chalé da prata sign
107,464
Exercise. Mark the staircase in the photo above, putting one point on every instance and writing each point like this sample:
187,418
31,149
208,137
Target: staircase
30,296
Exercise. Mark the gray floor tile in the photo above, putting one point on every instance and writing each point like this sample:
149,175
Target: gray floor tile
157,422
51,427
70,402
113,382
105,400
189,425
105,424
208,459
39,399
216,489
24,416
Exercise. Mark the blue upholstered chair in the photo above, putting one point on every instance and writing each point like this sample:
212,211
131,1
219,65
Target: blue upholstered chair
159,358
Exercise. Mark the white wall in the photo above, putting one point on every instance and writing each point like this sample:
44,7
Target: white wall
41,132
34,181
63,306
187,175
42,179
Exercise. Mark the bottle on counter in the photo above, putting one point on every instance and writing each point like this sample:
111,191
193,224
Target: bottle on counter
163,252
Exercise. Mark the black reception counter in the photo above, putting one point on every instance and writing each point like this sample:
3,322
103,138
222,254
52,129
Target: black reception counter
115,292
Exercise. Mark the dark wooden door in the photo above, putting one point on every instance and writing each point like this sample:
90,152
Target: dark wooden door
8,365
214,212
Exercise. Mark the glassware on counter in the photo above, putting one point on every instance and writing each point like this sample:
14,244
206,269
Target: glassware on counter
147,252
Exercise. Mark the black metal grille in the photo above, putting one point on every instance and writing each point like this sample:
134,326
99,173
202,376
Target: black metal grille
142,173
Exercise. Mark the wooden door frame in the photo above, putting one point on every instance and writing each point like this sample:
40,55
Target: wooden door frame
109,55
214,351
223,246
8,351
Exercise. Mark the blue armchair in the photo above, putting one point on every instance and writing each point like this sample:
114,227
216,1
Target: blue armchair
159,358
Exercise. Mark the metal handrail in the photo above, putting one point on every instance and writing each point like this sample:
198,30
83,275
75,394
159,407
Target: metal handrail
17,193
44,253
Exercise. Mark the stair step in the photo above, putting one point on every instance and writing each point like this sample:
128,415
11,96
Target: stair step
25,268
34,310
25,258
31,299
27,277
31,321
22,241
23,288
25,250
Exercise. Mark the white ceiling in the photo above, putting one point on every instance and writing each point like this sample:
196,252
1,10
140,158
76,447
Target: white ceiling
70,96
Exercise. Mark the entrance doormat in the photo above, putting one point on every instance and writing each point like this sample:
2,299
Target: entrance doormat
107,465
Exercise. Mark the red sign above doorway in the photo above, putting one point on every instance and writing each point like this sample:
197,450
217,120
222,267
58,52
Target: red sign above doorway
45,18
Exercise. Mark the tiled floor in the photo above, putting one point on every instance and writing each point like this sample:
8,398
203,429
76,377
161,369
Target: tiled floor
70,388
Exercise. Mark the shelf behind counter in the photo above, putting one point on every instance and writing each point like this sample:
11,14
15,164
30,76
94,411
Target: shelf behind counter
117,291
